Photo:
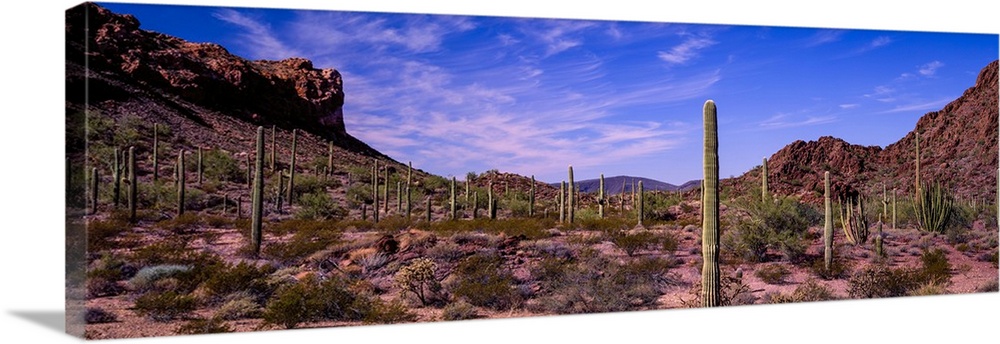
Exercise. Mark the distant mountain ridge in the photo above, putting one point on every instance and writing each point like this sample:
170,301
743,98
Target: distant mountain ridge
619,184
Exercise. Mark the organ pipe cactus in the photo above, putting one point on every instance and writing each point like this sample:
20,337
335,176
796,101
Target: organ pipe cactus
934,208
854,222
827,223
711,284
257,206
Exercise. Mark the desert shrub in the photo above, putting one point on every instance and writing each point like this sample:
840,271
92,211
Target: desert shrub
929,288
359,193
935,267
459,310
807,292
878,280
483,282
393,224
101,287
418,279
308,238
311,299
606,225
96,315
548,248
596,284
772,273
781,224
239,305
657,205
222,166
391,312
633,242
319,205
181,224
147,277
242,277
165,306
989,286
446,251
101,234
204,326
839,268
372,261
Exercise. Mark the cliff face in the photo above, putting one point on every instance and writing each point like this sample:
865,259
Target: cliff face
287,93
958,147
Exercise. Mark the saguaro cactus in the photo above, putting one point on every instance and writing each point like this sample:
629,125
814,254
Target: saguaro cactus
257,211
562,201
93,190
409,175
531,198
600,198
710,273
642,204
570,208
454,209
475,204
827,223
878,238
181,183
156,144
894,207
291,170
329,159
763,181
428,209
385,192
274,147
116,175
133,194
201,169
489,202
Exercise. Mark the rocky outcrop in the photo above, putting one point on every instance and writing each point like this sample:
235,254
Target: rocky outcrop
958,147
290,93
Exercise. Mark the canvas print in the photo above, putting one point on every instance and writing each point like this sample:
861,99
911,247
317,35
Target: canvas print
236,169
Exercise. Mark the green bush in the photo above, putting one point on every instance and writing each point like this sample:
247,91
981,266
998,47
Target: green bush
222,166
773,273
596,284
204,326
165,306
239,305
459,310
807,292
878,280
935,267
311,300
781,225
95,315
483,282
391,312
319,206
146,278
243,277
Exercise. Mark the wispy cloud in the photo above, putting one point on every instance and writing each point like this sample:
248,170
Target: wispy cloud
258,37
687,50
848,106
930,68
922,106
823,37
782,121
879,41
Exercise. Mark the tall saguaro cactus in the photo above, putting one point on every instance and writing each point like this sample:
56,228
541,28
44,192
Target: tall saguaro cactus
562,201
642,204
454,209
329,159
385,192
531,198
710,273
827,223
257,211
600,198
181,183
116,174
475,204
133,194
763,181
156,144
375,200
291,170
93,190
409,175
570,208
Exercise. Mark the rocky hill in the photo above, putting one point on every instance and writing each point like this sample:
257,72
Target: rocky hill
958,147
115,68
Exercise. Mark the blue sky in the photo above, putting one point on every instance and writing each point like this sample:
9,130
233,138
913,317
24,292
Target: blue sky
456,94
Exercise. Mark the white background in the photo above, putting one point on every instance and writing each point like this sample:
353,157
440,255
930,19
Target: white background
31,198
